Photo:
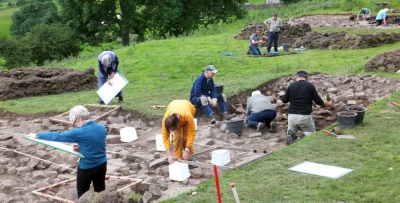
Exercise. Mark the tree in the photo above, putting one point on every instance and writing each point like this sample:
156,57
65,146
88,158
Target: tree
36,12
160,17
15,53
51,42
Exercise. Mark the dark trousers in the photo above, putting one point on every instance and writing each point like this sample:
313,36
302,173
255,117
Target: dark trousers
264,116
272,37
380,21
97,175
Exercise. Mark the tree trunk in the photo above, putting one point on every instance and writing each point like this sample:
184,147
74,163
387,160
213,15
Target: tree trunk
124,36
125,24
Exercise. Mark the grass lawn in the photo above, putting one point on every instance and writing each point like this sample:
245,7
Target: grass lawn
5,20
374,156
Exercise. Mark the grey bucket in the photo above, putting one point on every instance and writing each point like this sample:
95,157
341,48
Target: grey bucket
286,47
346,119
219,88
235,126
360,113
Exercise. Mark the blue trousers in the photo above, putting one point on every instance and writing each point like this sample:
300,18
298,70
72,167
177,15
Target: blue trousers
207,109
254,50
272,37
264,116
102,80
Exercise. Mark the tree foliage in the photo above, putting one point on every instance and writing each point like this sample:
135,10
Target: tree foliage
42,43
34,13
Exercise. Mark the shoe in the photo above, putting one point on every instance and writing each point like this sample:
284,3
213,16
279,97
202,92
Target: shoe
120,100
272,128
212,121
226,116
260,127
289,140
292,136
101,103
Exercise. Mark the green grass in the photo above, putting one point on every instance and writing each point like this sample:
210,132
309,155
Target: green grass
5,20
374,156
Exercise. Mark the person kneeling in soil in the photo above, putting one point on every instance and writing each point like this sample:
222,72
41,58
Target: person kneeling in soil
382,17
260,112
300,94
204,94
366,14
254,41
91,139
178,119
108,65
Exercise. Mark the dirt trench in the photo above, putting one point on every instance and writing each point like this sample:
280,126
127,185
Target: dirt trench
139,159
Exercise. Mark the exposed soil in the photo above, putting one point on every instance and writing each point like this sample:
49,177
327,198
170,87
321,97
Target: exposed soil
139,159
388,62
18,83
341,21
342,40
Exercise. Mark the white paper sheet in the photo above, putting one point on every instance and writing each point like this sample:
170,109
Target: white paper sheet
108,92
321,170
57,145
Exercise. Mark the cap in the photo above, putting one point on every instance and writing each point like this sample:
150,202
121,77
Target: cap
211,68
255,92
302,73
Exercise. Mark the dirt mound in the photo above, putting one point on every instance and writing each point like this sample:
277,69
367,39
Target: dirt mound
341,21
342,40
388,62
287,30
20,83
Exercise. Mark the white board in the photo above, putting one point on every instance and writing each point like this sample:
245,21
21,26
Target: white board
108,92
321,170
57,145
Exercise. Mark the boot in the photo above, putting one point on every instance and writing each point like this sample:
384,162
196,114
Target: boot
101,103
272,128
120,100
212,121
226,116
260,127
292,136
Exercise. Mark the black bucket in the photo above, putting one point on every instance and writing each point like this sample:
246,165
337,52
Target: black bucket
360,113
235,126
346,119
351,17
219,88
286,47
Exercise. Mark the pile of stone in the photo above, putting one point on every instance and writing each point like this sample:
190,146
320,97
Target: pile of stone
388,62
342,40
287,30
19,83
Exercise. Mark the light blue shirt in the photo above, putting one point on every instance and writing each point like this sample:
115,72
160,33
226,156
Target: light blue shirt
381,15
91,138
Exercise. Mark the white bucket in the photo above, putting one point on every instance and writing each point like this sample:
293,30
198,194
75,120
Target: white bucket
128,134
220,157
195,123
160,143
178,171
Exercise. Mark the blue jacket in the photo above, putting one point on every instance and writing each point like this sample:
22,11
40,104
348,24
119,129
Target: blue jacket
91,138
105,71
201,87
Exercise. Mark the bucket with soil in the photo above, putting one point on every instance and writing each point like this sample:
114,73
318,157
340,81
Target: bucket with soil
346,119
360,113
219,88
286,47
235,126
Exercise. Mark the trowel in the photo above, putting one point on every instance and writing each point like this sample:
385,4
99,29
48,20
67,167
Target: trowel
336,132
396,104
156,106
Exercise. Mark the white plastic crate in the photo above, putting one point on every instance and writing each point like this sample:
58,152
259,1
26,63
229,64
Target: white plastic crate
128,134
220,157
178,171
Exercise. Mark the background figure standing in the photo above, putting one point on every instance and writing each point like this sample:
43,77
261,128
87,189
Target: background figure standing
254,41
365,13
179,119
382,16
274,25
260,112
301,94
108,65
91,139
204,94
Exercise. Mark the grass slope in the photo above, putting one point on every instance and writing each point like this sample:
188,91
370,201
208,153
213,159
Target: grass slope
374,156
5,20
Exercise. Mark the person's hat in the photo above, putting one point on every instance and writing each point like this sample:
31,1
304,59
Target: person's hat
211,68
257,92
302,73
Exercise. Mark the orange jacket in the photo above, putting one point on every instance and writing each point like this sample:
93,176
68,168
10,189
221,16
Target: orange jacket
186,112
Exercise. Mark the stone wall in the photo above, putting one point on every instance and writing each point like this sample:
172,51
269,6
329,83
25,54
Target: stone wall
388,62
19,83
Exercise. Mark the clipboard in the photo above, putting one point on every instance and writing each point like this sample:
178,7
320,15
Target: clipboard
57,145
108,92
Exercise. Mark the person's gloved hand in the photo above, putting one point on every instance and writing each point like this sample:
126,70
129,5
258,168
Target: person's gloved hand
328,103
214,102
32,135
209,101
